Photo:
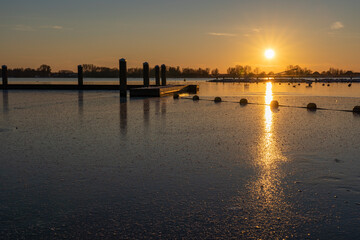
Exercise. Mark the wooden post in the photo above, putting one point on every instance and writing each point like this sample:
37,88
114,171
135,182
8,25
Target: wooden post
146,73
4,76
122,77
163,75
157,75
80,76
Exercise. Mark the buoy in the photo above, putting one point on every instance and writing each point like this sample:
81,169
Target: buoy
328,85
243,102
196,98
217,99
311,107
274,104
176,96
356,109
294,86
323,84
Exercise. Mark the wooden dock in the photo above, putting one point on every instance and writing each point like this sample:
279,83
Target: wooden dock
135,90
159,91
64,86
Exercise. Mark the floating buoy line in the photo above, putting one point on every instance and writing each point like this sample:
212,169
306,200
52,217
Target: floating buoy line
274,104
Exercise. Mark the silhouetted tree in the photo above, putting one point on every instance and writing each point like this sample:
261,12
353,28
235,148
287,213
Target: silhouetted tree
231,72
44,70
215,72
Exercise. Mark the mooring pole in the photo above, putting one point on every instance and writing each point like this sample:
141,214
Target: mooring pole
122,77
157,75
80,76
146,73
4,76
163,75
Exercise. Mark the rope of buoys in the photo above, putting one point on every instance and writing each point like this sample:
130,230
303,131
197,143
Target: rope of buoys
274,104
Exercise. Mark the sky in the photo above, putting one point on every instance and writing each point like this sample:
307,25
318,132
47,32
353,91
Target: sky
317,34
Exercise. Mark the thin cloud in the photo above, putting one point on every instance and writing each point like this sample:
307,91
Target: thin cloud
24,28
222,34
252,31
337,25
27,28
56,27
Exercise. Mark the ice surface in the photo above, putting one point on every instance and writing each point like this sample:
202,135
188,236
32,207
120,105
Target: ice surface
90,165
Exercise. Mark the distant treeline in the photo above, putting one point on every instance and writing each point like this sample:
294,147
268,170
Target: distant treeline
292,70
92,71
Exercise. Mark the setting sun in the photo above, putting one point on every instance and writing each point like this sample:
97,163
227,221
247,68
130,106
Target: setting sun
269,53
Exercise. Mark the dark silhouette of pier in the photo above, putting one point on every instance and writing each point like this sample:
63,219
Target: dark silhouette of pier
158,89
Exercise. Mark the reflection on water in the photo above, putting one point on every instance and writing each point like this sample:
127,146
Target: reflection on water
123,116
146,108
271,213
5,101
81,103
160,109
270,157
268,112
163,108
157,106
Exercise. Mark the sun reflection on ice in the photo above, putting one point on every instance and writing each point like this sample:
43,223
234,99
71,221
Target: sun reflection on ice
270,155
269,208
268,112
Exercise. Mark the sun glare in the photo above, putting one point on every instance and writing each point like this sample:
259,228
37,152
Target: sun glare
269,53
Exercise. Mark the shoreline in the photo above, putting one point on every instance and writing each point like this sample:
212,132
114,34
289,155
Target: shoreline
286,80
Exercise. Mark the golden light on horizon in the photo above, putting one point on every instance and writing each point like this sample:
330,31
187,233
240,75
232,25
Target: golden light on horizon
269,53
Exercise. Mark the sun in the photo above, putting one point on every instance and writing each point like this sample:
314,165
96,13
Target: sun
269,53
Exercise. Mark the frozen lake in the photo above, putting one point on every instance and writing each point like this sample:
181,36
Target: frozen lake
90,165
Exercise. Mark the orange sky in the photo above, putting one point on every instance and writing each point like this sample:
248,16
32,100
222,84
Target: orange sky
317,35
